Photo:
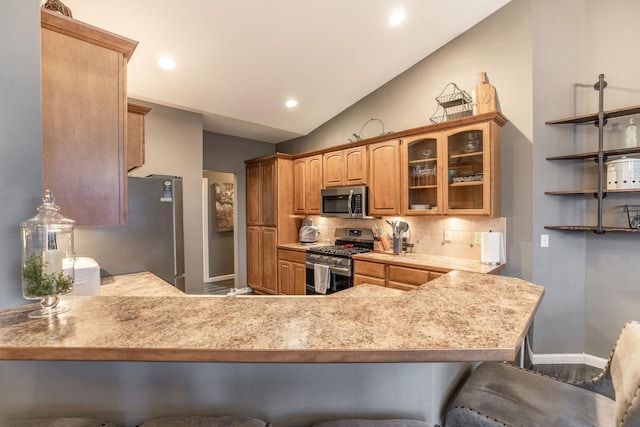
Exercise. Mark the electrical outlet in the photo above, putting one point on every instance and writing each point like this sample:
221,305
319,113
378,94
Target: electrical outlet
447,235
544,240
477,238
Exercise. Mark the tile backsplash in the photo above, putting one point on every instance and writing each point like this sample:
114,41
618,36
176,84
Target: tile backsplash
426,233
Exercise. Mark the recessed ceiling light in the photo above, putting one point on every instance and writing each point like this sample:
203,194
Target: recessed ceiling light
396,18
166,63
291,103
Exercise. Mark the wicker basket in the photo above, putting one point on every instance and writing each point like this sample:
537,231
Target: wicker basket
58,6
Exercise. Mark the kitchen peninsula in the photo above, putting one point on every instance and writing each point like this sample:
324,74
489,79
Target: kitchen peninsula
168,349
460,316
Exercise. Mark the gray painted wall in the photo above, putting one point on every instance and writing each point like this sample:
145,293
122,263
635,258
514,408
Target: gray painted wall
20,137
591,289
224,153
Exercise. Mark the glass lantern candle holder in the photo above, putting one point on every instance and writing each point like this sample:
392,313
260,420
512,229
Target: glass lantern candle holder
47,257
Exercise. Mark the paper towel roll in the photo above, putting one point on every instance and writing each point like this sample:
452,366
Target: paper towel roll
492,248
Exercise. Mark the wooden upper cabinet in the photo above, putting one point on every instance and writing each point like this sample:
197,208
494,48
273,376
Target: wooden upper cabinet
384,182
84,107
333,169
421,174
268,202
308,183
472,164
270,194
345,167
135,135
262,194
355,166
253,194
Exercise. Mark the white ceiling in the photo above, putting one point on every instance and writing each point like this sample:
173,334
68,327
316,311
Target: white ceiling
238,61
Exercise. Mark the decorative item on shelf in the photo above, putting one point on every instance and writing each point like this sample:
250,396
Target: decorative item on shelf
58,6
358,136
631,135
453,103
633,216
47,257
473,143
452,174
484,96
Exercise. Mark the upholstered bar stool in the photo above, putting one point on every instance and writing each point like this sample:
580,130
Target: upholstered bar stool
500,394
57,422
371,423
202,421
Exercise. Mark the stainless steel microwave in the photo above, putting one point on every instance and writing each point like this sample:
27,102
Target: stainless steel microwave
344,202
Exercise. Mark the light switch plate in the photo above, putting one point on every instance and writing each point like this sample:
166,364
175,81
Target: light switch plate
544,240
477,238
447,235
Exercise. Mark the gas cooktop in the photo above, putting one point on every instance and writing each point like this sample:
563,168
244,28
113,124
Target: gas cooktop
338,250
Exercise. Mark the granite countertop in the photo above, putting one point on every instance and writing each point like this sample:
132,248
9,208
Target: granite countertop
368,290
430,262
139,285
300,247
460,316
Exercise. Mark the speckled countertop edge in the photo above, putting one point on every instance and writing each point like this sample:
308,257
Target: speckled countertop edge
459,317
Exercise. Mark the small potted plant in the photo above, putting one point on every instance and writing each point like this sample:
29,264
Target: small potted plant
47,257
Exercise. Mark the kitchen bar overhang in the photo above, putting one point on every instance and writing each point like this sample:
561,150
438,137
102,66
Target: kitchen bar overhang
460,316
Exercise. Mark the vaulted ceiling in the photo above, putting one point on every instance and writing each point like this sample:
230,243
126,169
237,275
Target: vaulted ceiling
237,62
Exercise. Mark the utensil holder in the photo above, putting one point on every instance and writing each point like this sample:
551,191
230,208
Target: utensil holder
397,245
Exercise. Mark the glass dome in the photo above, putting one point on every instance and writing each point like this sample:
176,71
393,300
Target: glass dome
47,257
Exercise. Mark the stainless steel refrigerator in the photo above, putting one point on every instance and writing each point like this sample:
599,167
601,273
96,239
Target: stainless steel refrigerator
152,237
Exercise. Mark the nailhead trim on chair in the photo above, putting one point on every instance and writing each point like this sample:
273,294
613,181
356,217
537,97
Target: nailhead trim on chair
635,397
479,413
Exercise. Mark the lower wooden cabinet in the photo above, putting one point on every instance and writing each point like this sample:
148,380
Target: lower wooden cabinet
392,276
262,264
373,273
292,272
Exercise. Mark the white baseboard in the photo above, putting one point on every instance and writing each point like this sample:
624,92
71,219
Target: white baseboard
568,359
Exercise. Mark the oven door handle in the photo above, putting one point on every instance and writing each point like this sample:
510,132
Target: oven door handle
336,270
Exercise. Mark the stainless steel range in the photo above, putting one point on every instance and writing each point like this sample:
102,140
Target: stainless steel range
330,268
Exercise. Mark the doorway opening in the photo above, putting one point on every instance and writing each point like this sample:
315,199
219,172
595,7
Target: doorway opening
219,220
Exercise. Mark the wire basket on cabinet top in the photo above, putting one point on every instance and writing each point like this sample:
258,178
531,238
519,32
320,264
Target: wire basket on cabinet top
453,103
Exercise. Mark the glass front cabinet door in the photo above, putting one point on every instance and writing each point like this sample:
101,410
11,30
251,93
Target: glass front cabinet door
421,175
470,164
455,171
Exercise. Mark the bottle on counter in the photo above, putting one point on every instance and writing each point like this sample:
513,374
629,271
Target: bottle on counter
631,135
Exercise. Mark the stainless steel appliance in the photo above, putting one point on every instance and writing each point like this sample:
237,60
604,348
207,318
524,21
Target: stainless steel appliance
152,237
337,257
344,202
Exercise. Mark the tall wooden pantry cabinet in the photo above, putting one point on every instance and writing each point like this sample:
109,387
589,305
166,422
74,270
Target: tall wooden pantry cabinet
270,219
